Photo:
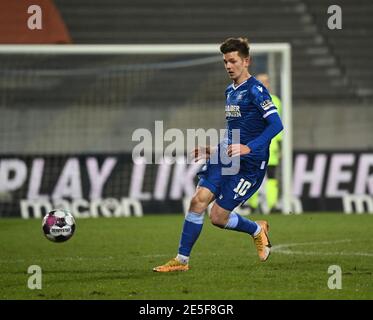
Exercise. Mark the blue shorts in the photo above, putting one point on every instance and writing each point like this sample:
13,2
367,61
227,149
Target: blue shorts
232,190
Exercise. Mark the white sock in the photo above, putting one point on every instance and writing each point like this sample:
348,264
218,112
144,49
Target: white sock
182,259
257,230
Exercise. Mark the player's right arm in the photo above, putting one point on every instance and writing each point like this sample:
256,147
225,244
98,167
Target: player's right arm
202,152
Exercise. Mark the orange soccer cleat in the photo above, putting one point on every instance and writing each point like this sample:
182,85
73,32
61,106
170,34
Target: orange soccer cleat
172,265
261,241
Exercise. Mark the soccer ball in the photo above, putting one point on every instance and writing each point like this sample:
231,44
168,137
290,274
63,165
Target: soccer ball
58,225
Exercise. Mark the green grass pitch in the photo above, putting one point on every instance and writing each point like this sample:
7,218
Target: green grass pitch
113,259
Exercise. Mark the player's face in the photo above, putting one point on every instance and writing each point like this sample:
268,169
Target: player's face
235,65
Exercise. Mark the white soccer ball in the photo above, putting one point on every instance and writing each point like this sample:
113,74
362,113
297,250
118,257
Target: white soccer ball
58,225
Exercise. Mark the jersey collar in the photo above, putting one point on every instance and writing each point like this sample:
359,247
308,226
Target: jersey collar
235,88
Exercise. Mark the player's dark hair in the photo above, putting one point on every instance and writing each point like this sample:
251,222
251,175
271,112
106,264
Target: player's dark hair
236,44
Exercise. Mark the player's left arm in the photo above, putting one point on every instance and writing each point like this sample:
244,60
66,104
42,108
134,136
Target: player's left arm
264,104
273,128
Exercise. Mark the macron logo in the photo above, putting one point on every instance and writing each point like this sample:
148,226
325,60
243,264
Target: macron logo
260,88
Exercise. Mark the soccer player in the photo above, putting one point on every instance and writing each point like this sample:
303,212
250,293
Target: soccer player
272,183
250,110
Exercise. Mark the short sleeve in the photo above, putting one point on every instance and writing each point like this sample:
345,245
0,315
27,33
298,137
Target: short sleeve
263,101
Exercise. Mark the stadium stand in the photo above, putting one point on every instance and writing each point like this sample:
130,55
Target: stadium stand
332,69
350,46
329,61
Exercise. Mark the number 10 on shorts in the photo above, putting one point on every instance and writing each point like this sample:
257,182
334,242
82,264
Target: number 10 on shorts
242,187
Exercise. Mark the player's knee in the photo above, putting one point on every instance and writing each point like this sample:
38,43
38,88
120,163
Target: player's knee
217,220
198,203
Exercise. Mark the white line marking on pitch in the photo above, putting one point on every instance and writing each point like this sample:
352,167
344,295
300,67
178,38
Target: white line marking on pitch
285,249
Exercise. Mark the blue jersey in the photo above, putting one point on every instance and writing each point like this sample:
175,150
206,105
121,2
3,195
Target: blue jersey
249,109
247,106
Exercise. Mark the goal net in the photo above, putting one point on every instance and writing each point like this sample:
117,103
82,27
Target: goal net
68,116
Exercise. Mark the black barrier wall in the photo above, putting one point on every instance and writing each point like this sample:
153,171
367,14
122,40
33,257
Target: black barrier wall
112,185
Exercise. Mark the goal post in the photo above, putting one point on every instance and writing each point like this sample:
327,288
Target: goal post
283,50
